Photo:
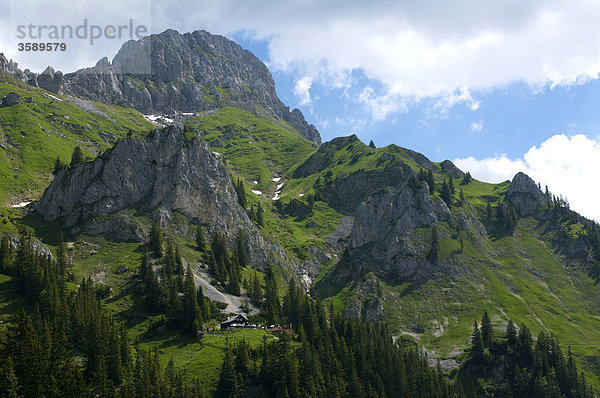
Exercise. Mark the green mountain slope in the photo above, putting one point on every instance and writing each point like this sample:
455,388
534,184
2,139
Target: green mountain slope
538,273
43,126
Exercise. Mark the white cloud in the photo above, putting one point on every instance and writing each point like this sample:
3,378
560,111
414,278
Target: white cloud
413,49
477,126
568,165
302,90
416,49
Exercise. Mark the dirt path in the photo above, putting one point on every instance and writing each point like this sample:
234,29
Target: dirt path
234,303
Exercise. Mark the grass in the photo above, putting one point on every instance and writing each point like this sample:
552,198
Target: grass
33,134
205,356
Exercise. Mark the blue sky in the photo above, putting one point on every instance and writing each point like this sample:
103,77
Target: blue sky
497,87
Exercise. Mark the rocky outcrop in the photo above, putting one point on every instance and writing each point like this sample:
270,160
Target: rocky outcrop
51,81
48,80
450,169
366,302
386,225
162,176
10,99
525,195
193,72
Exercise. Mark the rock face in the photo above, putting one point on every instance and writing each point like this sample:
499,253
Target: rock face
161,176
48,80
525,195
386,223
450,169
193,72
10,99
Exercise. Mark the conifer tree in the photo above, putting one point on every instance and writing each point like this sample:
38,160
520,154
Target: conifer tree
435,244
446,194
466,179
486,330
228,384
477,344
451,186
511,334
191,311
200,242
77,157
371,144
156,239
260,216
59,165
431,182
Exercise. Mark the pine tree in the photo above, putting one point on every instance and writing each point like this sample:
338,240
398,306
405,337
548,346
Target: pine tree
78,157
259,216
59,165
488,211
511,334
191,311
466,179
435,244
371,144
477,344
462,196
156,239
228,384
446,194
431,182
451,186
256,290
241,193
487,332
200,243
8,380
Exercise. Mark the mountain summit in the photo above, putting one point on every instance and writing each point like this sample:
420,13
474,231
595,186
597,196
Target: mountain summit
193,72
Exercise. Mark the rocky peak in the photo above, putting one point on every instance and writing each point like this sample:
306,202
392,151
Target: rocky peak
525,195
162,176
48,80
193,72
3,64
450,169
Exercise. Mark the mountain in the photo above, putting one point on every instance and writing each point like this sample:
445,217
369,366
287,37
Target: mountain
240,191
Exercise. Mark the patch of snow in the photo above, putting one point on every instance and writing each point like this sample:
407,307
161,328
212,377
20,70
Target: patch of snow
257,192
255,182
276,179
53,97
301,195
22,204
188,113
216,153
279,186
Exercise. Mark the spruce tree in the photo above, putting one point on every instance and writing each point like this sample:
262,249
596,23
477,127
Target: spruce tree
446,194
200,242
431,182
228,384
435,244
156,239
476,344
371,144
451,186
259,215
486,330
77,157
191,311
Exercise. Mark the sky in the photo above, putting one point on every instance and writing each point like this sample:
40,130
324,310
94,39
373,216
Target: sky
495,86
